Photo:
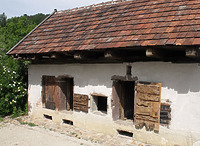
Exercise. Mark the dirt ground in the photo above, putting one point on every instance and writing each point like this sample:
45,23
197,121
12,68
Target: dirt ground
24,131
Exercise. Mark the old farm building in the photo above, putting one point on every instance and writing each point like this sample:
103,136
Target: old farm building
119,67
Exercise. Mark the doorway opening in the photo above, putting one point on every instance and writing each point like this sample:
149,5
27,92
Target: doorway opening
127,100
123,100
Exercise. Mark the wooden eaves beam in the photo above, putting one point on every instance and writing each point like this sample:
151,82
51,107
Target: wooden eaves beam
80,55
111,55
193,53
87,55
154,53
35,57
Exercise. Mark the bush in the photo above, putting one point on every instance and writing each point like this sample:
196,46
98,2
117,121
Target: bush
13,74
13,90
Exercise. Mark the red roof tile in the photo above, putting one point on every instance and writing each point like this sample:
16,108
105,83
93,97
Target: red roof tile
117,24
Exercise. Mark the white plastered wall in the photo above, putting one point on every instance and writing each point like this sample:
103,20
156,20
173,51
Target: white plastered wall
180,84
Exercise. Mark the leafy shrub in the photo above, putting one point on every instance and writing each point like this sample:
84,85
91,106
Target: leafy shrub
13,90
13,74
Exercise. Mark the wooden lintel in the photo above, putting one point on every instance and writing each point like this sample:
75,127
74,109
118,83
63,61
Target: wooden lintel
98,94
193,53
124,78
153,53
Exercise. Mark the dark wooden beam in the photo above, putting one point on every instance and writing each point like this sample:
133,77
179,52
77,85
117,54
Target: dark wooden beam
154,53
80,55
110,54
88,55
18,58
123,78
193,53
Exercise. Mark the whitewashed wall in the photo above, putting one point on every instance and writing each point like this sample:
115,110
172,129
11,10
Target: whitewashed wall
180,84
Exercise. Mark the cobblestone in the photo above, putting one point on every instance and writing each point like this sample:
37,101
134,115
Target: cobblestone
72,131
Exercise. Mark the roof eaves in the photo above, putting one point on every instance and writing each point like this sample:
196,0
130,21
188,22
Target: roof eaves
31,32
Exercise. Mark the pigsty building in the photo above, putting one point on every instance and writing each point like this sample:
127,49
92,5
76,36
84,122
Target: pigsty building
119,67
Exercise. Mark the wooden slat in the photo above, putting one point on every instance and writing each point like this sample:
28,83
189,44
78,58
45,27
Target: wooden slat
141,102
156,110
146,118
142,110
80,102
148,89
147,97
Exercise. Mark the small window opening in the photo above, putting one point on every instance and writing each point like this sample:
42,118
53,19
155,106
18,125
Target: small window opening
99,103
67,122
48,117
102,104
125,133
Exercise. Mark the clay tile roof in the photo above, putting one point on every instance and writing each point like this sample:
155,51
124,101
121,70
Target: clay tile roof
116,24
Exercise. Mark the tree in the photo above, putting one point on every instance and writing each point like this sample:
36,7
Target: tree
3,19
13,74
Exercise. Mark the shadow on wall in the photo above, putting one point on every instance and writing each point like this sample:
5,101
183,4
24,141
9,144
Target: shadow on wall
84,75
183,78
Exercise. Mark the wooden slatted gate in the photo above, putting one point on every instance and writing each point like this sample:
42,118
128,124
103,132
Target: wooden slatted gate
147,105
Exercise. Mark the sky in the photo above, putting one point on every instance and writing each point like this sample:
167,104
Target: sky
14,8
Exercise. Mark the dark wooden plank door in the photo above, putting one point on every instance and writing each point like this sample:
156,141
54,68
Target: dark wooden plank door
49,92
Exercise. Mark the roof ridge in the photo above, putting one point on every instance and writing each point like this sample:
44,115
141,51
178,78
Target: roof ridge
92,6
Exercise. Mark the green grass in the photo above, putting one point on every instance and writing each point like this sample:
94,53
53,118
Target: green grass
1,119
26,123
31,124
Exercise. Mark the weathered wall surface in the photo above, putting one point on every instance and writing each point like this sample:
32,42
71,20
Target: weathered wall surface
180,84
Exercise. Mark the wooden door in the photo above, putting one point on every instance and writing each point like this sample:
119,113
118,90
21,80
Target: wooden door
49,92
147,105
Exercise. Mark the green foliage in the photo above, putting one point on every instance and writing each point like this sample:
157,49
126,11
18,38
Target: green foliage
3,19
36,18
26,123
13,90
13,74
